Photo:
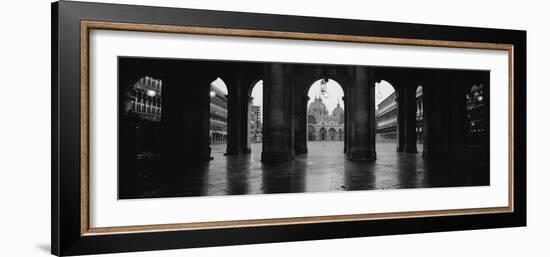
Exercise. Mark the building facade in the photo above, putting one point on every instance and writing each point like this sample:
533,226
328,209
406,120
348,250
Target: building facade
143,108
255,124
476,115
322,125
387,117
144,99
218,116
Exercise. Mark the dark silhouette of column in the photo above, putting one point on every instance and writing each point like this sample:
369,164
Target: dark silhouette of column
427,117
438,115
459,104
234,116
300,133
185,122
401,114
345,138
361,121
409,111
277,116
203,137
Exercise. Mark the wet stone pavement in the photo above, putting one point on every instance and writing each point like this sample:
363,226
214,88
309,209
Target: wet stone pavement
322,169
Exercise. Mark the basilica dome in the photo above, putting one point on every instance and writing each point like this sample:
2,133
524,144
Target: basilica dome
338,112
317,106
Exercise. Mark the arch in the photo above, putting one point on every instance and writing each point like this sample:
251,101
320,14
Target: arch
143,104
326,113
340,134
383,89
419,90
387,112
323,134
331,134
219,112
311,119
310,75
419,97
255,113
220,85
253,83
311,133
331,83
325,109
256,92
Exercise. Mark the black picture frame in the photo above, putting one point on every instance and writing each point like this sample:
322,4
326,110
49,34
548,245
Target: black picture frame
66,210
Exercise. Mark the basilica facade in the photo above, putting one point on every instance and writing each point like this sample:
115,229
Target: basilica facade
323,125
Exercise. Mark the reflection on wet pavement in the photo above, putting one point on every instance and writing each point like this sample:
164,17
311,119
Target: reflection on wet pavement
322,169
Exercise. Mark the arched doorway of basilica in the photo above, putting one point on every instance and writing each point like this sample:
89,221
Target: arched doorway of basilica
322,134
311,133
331,134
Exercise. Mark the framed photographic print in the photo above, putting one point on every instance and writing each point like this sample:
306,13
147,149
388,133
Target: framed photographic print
177,128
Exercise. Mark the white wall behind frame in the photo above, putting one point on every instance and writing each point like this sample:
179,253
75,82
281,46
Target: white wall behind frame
24,130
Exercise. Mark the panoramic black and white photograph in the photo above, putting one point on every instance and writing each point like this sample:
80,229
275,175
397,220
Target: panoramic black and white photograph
191,127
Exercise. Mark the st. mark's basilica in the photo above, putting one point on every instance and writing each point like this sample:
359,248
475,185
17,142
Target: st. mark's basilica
324,125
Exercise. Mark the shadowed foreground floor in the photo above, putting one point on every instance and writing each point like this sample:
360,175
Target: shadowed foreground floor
323,169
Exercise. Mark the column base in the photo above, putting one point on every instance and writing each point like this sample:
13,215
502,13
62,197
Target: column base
425,154
437,155
411,149
276,157
361,155
187,158
232,151
301,150
205,154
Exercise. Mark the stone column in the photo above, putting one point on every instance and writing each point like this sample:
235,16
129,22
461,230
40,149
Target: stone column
400,126
427,117
204,120
361,121
276,131
438,116
185,124
301,132
409,110
234,116
345,123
